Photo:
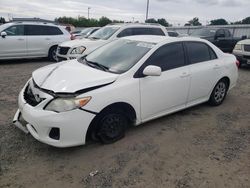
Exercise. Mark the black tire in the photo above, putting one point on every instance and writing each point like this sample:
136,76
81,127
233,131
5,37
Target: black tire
219,93
52,54
111,126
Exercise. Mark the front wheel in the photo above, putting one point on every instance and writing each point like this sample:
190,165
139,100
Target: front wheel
112,126
219,93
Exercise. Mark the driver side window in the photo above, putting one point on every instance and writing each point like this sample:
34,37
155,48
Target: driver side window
169,56
15,30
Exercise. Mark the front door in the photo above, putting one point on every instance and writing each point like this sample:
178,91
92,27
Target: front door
168,92
14,44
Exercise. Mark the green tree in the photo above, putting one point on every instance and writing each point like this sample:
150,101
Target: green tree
2,20
104,21
163,22
220,21
246,20
194,22
151,20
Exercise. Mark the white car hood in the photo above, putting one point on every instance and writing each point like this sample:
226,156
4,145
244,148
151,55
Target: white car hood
83,42
70,77
246,41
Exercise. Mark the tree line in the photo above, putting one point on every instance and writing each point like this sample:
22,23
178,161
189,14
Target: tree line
84,22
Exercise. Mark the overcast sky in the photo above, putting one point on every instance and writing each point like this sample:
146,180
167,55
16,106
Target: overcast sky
174,11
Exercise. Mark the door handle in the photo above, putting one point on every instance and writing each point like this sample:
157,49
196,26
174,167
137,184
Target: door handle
47,38
20,39
184,74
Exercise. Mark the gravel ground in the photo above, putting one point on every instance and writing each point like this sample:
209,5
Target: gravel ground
199,147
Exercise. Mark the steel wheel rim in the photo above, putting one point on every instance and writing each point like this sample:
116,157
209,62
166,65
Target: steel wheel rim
220,92
112,126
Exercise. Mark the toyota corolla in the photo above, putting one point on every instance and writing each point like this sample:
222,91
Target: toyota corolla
126,82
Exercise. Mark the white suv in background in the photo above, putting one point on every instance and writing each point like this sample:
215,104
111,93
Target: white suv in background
31,40
77,48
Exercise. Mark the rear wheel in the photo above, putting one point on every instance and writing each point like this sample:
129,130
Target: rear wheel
219,93
111,127
52,54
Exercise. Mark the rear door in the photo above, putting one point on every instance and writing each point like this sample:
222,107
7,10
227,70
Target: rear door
40,38
204,69
14,44
168,92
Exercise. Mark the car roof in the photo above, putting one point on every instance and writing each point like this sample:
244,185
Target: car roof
150,25
31,23
161,39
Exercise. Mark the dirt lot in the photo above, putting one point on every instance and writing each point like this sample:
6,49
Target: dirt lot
200,147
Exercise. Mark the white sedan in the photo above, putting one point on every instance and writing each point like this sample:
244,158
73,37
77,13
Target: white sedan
126,82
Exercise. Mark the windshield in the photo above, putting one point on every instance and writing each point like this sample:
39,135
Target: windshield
204,32
85,31
4,26
118,56
104,33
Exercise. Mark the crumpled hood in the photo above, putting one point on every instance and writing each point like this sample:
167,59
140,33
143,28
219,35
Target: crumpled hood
70,77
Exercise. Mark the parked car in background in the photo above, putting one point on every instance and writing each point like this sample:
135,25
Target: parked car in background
77,48
85,33
74,33
242,52
222,38
176,34
31,40
126,82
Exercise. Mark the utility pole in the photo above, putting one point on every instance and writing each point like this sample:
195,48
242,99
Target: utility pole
88,12
147,9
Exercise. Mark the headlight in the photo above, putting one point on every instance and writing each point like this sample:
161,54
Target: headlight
67,104
238,47
78,50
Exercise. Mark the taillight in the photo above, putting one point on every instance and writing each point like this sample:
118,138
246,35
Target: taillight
237,63
72,37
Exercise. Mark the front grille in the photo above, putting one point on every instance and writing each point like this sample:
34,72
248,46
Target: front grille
247,48
246,56
30,98
63,50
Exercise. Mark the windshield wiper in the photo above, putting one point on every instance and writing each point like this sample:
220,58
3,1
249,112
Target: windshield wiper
94,38
97,65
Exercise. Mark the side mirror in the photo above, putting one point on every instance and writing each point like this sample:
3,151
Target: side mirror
152,70
3,34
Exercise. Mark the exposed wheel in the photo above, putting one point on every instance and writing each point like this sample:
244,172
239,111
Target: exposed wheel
52,54
219,93
111,127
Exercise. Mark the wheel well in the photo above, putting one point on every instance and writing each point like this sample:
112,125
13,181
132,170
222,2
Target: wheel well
227,80
51,48
122,107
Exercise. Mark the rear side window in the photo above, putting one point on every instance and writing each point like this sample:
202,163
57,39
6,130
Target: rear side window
140,31
15,30
199,52
167,57
42,30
